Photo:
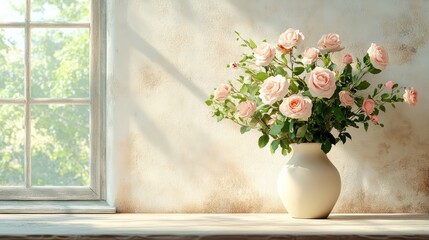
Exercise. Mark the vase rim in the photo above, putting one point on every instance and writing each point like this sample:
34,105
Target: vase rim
306,146
297,144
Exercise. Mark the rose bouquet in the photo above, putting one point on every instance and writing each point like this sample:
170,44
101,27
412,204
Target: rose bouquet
293,97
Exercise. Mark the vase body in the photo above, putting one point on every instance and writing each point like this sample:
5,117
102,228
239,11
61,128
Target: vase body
309,184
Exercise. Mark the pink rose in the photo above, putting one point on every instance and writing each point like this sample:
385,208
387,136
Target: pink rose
378,56
330,42
310,55
389,84
346,99
348,59
272,120
264,54
410,96
246,109
374,119
321,82
222,92
297,107
368,106
290,38
273,89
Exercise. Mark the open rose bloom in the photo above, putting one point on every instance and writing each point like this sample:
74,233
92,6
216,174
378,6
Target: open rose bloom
410,96
291,96
264,54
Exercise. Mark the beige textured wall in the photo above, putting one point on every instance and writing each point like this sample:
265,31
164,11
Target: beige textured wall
165,153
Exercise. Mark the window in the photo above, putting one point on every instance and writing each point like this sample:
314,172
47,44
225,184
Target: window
51,100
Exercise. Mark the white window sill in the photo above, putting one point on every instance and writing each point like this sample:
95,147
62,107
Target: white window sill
215,226
55,207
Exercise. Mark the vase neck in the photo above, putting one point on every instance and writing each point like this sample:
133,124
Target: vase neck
306,148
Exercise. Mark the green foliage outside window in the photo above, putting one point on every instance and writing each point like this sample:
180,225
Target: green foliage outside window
60,144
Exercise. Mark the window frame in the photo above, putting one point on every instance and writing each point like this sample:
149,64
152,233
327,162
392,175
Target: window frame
97,188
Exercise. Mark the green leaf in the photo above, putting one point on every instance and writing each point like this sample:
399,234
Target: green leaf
365,125
284,58
382,108
253,89
274,145
219,117
331,138
209,102
293,87
252,44
375,111
280,71
343,138
332,66
326,146
261,76
367,60
339,114
285,128
298,70
347,70
309,136
244,89
359,101
229,104
276,129
358,64
284,151
244,129
300,133
284,143
385,96
263,140
374,70
348,135
363,85
326,61
306,94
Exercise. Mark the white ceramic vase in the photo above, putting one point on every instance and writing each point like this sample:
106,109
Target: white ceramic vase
309,184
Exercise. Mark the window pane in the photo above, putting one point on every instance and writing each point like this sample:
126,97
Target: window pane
11,63
12,10
60,10
12,140
60,63
60,145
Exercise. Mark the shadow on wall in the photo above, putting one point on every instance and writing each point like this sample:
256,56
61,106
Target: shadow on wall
128,200
147,125
137,42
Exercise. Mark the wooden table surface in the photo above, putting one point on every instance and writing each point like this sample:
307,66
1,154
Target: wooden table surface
212,226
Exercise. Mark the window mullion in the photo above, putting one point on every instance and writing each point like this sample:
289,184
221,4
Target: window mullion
12,25
59,25
31,190
27,95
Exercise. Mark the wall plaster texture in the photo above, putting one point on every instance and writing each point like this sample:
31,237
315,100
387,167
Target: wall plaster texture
167,155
